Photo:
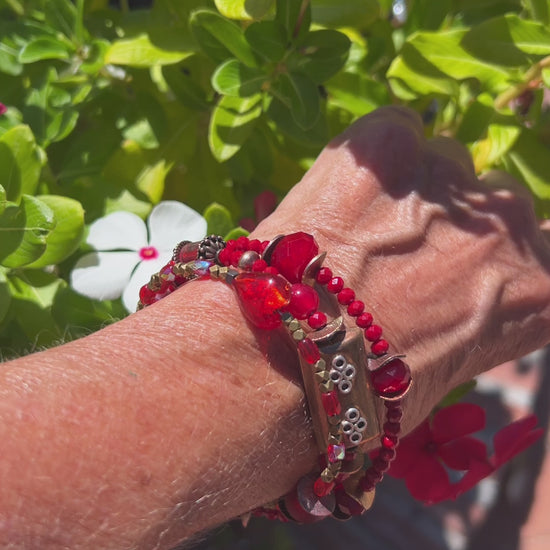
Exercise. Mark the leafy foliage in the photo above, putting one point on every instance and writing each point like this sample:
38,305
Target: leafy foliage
211,102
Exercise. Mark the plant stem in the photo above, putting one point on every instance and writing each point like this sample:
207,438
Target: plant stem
300,20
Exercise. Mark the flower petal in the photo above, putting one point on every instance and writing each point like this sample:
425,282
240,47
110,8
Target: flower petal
461,453
478,470
457,421
429,481
171,222
116,231
103,275
412,449
141,276
515,438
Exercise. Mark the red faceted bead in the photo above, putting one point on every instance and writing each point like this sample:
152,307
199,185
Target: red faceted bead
366,485
389,441
261,297
373,333
304,300
188,252
324,275
347,504
322,488
309,351
356,308
265,244
379,347
292,254
236,256
381,465
392,428
364,320
394,415
346,296
392,379
335,285
331,404
146,295
387,454
317,320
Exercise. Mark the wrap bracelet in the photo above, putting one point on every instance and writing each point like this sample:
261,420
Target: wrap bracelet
353,385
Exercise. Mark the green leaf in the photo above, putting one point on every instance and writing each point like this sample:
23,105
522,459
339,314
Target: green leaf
529,161
236,79
2,199
500,138
218,219
231,123
236,233
455,395
351,13
221,38
243,10
476,119
23,231
540,10
33,293
43,48
141,52
188,91
66,236
295,17
268,39
151,180
301,96
20,162
321,54
357,93
5,295
61,15
506,40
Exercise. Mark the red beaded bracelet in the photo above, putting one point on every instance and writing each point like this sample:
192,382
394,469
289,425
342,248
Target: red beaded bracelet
348,389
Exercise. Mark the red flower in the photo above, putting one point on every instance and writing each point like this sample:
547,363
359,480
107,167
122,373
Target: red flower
3,109
426,454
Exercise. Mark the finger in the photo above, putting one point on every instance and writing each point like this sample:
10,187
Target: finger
454,153
499,180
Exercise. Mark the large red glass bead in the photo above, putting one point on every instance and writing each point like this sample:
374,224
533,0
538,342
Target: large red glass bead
292,254
304,300
146,295
261,295
392,379
188,252
331,403
309,351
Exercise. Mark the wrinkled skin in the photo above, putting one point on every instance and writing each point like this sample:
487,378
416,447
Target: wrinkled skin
455,270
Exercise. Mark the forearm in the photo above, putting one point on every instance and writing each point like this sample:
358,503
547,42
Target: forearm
169,421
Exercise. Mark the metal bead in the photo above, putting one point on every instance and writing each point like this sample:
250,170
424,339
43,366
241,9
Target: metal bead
347,427
361,425
349,372
209,247
177,249
335,376
353,414
345,386
247,259
356,438
339,362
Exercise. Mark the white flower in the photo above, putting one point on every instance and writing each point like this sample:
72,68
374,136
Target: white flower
129,252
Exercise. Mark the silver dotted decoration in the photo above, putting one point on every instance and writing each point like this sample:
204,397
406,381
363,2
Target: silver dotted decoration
354,425
342,373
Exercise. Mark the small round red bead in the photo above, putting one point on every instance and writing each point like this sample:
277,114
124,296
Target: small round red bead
387,454
381,465
335,285
255,245
364,320
243,243
394,415
373,333
389,441
379,347
324,275
317,320
224,256
264,245
392,428
346,296
259,265
236,256
271,270
356,308
146,295
304,301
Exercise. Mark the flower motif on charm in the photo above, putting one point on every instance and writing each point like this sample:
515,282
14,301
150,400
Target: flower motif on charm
127,250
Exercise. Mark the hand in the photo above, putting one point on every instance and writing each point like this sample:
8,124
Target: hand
455,270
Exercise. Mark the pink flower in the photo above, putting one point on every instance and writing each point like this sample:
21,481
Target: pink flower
3,109
444,443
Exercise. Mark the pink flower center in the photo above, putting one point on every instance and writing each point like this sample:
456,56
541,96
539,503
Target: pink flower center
148,253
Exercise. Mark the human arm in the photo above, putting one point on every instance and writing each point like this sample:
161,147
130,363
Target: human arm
174,419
